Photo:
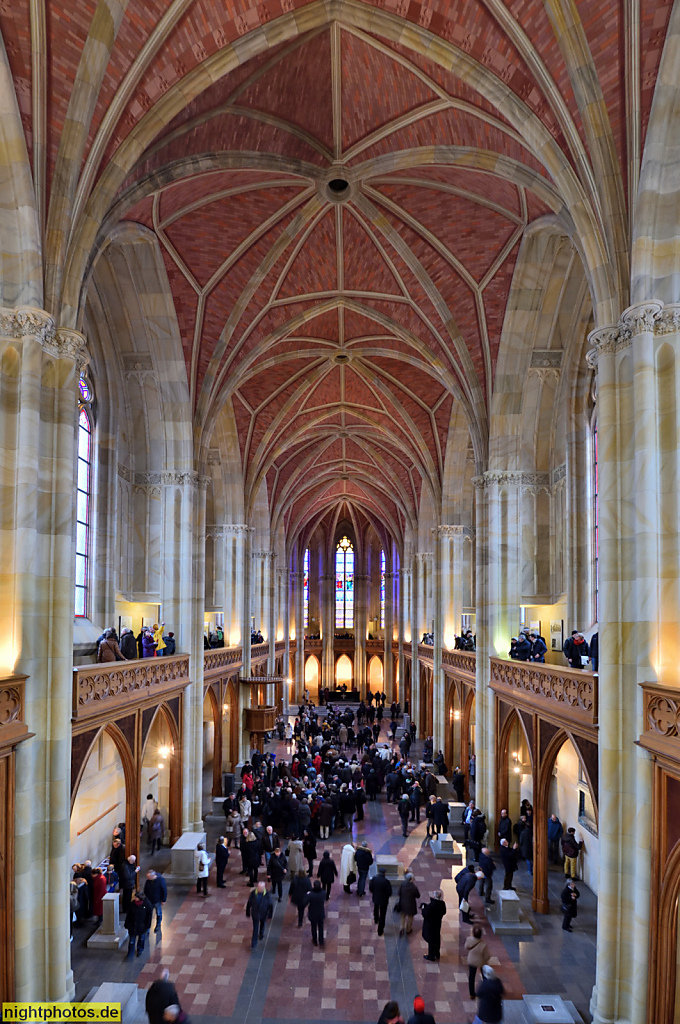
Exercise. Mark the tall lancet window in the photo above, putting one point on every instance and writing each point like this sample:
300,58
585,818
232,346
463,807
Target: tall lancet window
305,588
83,497
596,520
344,584
382,589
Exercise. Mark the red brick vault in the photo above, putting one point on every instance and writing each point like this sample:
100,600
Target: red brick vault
339,191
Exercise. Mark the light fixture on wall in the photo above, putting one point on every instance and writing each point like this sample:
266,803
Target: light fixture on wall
165,752
517,767
456,716
161,765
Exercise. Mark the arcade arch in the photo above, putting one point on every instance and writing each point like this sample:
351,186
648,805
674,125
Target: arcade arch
100,801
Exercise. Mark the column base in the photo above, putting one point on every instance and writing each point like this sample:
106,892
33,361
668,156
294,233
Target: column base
540,905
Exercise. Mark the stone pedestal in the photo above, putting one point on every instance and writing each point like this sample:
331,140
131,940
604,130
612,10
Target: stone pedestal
183,858
506,917
443,786
508,902
110,934
445,847
541,1009
394,868
131,1007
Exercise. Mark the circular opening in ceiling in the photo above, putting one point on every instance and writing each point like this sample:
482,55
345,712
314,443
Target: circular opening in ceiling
337,189
342,357
338,185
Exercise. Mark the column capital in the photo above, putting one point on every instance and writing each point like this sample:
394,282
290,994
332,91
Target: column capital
641,318
68,344
405,571
445,530
26,322
266,556
237,529
423,555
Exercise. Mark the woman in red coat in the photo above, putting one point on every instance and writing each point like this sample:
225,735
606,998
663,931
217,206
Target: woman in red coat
98,892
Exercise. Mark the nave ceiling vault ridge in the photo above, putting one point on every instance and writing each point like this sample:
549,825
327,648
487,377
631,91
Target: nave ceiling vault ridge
365,321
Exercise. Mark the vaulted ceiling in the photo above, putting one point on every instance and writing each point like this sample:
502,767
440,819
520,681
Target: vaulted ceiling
339,193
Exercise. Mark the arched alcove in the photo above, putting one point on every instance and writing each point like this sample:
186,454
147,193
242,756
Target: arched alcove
100,801
343,671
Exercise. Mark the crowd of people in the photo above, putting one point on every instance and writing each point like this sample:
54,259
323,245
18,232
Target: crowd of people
151,642
529,645
284,810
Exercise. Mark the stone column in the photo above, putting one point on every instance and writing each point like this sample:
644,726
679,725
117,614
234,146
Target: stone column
405,604
182,608
327,622
283,627
237,611
388,658
39,369
297,586
498,600
638,391
361,581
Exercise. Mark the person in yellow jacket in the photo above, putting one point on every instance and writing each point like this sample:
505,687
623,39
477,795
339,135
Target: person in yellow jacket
158,637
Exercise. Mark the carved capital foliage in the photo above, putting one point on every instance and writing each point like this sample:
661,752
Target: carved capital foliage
444,530
266,556
26,322
641,318
68,344
668,321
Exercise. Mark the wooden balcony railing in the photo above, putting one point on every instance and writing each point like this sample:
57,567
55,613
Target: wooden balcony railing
661,720
118,685
259,651
13,728
462,663
425,652
406,646
313,645
221,658
280,647
375,646
563,695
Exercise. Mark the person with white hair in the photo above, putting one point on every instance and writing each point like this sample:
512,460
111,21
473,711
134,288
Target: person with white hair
489,998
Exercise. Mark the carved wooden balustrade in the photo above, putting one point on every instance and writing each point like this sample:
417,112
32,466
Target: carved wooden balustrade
375,646
661,720
562,695
13,728
117,686
313,645
460,663
280,647
222,657
406,647
258,652
426,652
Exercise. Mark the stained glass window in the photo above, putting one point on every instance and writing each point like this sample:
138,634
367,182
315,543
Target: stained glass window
83,495
597,525
382,589
344,584
305,587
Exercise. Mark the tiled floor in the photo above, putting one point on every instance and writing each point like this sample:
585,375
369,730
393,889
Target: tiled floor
206,945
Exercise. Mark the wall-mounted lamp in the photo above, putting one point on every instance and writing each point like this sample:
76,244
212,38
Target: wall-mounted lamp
456,716
161,765
165,752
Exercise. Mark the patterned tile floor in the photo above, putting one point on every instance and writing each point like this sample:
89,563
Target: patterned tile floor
206,946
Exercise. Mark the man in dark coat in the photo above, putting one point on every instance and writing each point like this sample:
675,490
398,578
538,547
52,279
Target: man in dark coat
381,889
138,922
316,912
127,877
522,648
404,809
160,994
509,861
487,867
569,897
117,855
477,832
128,645
364,859
433,912
327,872
259,907
419,1015
505,826
156,892
409,894
489,997
458,783
526,847
299,887
277,871
441,816
555,833
465,882
221,861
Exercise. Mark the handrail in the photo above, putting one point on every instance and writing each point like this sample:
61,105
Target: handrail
102,687
553,690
